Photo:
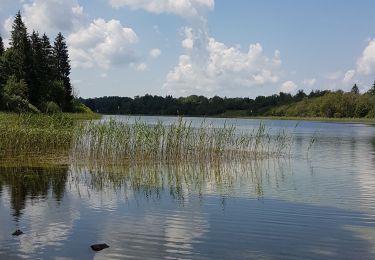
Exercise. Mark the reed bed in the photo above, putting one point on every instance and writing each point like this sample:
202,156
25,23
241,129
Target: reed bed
119,142
30,135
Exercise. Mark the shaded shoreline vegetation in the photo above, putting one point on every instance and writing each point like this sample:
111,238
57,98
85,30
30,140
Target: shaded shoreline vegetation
34,75
322,104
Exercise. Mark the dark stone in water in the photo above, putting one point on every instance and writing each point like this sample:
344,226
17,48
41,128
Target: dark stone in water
17,233
99,247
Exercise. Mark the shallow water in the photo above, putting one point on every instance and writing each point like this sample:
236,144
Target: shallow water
317,203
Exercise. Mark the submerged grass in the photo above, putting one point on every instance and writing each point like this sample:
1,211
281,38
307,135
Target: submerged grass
123,142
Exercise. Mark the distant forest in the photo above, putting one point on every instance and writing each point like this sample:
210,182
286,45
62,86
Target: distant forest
318,103
34,75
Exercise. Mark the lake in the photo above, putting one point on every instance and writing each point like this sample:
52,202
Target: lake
317,202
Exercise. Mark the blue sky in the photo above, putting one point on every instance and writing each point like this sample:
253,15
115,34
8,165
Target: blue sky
208,47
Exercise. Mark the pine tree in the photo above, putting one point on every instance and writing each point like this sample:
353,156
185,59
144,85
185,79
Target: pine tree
20,58
48,68
2,74
355,89
38,75
62,68
48,56
1,46
372,90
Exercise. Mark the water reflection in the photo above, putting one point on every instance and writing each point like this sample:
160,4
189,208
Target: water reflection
181,180
317,206
32,183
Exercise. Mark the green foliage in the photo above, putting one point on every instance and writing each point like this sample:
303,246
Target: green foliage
372,90
78,107
317,104
52,108
35,134
35,64
15,87
355,90
1,46
56,92
16,104
21,56
62,67
332,105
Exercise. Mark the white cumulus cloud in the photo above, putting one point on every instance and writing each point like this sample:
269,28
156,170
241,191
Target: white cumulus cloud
102,44
141,66
349,75
210,66
184,8
366,63
309,82
53,16
188,42
155,53
288,87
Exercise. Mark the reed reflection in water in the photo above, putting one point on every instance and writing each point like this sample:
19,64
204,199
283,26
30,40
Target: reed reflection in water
165,210
317,204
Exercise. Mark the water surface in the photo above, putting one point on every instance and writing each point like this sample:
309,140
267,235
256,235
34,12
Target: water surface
317,203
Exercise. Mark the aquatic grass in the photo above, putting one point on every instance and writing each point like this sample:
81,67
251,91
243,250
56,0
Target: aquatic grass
30,135
123,141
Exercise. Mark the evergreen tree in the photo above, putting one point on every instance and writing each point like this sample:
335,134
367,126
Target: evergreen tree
38,75
372,90
48,68
2,74
62,68
48,57
1,46
20,59
355,89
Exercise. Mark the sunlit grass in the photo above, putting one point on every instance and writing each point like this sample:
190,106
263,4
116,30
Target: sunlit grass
122,142
63,137
32,135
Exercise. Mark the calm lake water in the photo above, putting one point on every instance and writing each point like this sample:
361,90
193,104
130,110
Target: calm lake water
317,203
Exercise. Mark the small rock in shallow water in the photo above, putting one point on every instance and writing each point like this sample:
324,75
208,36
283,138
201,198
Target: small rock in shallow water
99,247
17,233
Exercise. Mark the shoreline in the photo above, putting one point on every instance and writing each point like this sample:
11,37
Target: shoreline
368,121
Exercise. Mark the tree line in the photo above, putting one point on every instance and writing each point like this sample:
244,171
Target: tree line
315,104
34,75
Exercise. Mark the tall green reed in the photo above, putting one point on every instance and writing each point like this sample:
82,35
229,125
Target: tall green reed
123,142
33,135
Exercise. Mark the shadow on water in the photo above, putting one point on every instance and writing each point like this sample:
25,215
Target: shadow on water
180,211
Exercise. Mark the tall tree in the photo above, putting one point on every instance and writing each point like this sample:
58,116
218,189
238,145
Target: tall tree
62,67
21,55
2,74
1,46
48,67
355,89
372,90
48,56
38,75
